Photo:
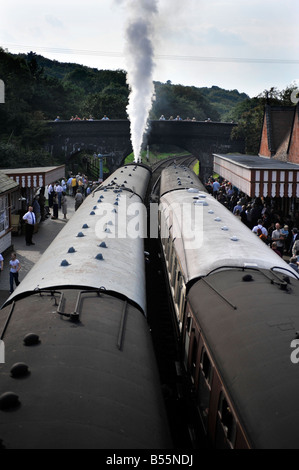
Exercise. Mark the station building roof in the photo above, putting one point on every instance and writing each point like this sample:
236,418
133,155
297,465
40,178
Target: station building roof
259,176
7,184
35,177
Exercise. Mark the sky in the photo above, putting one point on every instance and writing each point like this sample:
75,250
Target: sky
248,45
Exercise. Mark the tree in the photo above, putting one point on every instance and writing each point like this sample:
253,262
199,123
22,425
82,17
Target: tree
249,116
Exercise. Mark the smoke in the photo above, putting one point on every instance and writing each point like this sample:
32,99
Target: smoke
139,52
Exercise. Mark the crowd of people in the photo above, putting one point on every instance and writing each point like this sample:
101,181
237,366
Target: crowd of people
106,118
53,198
262,217
178,118
48,202
84,118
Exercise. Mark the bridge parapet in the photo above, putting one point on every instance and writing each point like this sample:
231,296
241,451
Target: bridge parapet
202,139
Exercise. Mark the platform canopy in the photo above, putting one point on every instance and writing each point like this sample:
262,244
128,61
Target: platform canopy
37,176
259,176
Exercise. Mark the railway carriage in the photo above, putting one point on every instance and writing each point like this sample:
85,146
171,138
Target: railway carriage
236,311
80,369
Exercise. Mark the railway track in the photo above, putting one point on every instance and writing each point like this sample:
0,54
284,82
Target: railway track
166,346
158,167
160,319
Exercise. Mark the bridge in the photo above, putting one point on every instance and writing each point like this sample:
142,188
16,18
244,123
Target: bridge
201,139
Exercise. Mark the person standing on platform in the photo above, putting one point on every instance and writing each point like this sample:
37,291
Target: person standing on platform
278,238
30,220
58,190
14,271
55,206
64,204
216,186
78,199
51,194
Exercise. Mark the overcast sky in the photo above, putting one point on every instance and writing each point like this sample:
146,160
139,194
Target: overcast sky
228,43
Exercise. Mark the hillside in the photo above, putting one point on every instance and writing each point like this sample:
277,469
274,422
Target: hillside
38,89
223,100
171,99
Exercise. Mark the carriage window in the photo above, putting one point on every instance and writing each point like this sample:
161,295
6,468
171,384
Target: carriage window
204,387
182,305
206,365
188,324
173,270
194,357
227,419
168,249
178,288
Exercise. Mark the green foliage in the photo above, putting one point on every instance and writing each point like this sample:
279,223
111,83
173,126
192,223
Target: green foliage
112,101
249,115
155,155
38,89
15,156
222,100
187,102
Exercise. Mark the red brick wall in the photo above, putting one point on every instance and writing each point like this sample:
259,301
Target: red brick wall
264,149
294,147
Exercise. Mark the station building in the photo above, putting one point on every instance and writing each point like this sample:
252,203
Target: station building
9,200
30,179
274,172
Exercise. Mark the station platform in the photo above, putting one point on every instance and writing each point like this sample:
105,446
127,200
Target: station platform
29,255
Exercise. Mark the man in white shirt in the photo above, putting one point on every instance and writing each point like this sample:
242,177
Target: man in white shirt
261,227
29,218
58,189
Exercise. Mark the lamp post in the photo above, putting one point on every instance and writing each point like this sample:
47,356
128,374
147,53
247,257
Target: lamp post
101,159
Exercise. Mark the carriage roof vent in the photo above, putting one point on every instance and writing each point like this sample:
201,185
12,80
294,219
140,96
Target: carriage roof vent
64,263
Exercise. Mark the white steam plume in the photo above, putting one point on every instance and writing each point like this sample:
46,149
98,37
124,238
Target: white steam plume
139,52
